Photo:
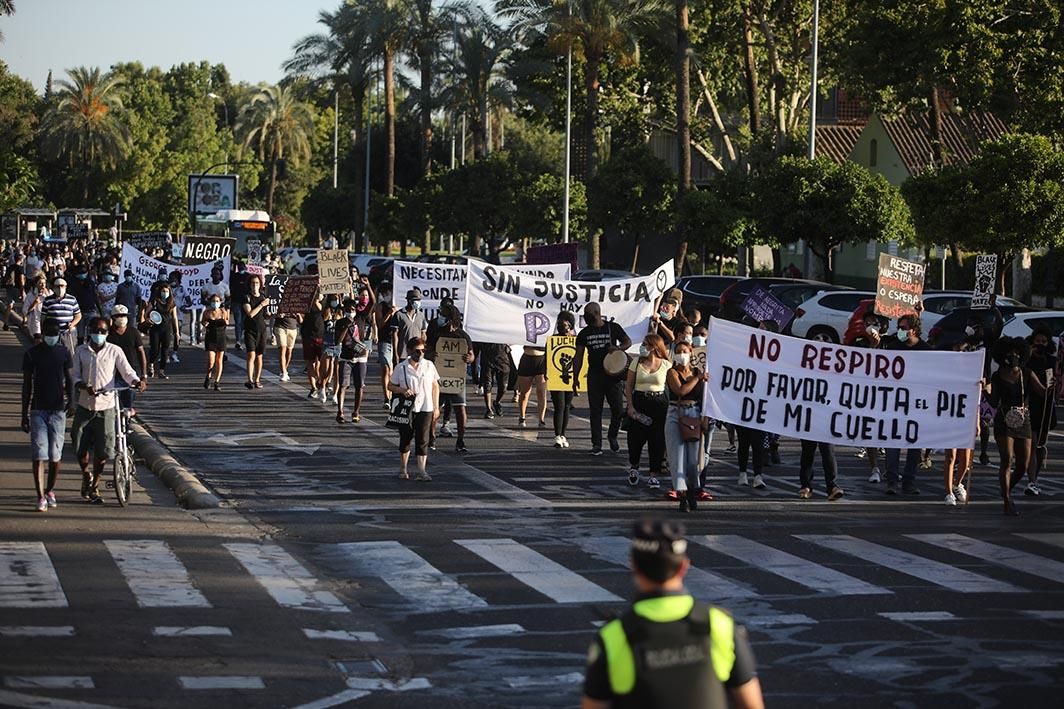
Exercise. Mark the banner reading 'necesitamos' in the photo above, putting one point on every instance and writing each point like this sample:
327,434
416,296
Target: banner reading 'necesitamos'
835,394
502,306
437,281
146,271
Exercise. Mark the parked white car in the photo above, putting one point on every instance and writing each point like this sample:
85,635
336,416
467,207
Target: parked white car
826,315
1023,324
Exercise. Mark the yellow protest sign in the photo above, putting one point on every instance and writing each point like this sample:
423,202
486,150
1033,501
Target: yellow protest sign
450,363
561,353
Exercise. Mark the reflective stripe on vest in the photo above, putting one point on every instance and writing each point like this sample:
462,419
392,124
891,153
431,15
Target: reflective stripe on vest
620,660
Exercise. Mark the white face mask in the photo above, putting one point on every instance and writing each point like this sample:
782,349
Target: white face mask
698,341
969,331
903,335
683,359
687,338
644,351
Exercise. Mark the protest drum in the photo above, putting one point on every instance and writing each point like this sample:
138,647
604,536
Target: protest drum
156,317
615,363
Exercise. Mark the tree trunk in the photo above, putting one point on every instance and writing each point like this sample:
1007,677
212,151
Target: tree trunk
750,72
937,148
272,185
358,98
425,60
389,122
591,87
683,118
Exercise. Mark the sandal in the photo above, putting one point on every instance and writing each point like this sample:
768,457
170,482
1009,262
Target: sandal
340,418
355,418
258,385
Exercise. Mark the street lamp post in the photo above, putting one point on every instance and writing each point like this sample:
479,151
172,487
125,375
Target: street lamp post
225,109
568,136
811,149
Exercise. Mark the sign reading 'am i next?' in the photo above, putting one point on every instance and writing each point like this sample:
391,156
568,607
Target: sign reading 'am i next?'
451,364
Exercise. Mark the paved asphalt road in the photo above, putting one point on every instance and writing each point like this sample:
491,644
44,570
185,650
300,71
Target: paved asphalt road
327,581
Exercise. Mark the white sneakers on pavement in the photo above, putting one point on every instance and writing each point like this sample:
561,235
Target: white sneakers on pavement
742,479
759,482
633,477
951,500
42,504
875,476
959,493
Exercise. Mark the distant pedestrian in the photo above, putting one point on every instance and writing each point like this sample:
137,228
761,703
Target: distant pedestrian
353,361
416,378
47,393
597,340
64,308
215,322
648,405
562,401
254,307
906,339
1011,389
383,311
684,425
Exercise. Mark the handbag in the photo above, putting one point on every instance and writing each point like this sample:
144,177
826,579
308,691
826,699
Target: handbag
690,428
351,348
400,410
1018,416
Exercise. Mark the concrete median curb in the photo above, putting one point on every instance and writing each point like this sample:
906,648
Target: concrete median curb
190,492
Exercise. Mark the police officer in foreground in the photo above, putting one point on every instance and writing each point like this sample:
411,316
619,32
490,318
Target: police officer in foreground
668,649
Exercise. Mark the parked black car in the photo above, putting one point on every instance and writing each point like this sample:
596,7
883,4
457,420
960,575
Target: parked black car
792,292
704,292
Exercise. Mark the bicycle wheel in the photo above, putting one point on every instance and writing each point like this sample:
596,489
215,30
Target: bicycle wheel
123,478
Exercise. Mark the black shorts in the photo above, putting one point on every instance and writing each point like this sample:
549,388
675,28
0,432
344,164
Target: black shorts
418,433
255,342
352,374
532,366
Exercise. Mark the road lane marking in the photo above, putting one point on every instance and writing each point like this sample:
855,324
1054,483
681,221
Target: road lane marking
154,574
929,570
375,684
476,631
284,578
617,550
1044,615
426,587
919,616
1001,556
348,635
30,701
793,568
177,631
542,574
335,700
545,680
36,631
221,682
781,619
47,682
27,577
1055,539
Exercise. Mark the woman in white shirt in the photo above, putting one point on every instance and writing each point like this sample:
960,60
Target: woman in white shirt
417,378
31,306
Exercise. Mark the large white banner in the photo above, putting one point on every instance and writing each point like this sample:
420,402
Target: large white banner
847,395
438,281
502,306
146,271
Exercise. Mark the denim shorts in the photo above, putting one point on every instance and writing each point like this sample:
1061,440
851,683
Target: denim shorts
47,430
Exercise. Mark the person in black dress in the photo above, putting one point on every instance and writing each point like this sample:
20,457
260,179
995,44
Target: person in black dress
1043,365
215,321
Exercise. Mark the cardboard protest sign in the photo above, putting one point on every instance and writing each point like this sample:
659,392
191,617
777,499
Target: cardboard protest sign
254,252
450,365
698,358
830,393
437,281
561,357
334,273
503,306
761,305
985,280
298,294
148,240
900,286
146,271
274,288
201,249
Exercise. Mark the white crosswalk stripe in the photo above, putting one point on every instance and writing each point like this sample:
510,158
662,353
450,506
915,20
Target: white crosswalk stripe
27,577
936,572
995,554
794,568
1055,539
154,574
284,578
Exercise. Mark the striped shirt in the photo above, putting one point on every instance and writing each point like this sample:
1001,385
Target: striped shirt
62,309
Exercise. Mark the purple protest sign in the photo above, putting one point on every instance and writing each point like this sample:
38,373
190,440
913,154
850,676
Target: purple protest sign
761,305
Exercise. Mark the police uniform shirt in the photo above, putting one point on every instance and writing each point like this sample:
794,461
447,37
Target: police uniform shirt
597,680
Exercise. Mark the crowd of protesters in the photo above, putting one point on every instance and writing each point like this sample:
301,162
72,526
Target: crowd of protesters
75,298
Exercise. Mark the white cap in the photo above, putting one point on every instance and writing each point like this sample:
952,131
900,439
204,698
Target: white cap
119,310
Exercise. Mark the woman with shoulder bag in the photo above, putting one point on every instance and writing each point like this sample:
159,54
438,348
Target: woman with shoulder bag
684,425
647,406
415,379
1010,391
352,362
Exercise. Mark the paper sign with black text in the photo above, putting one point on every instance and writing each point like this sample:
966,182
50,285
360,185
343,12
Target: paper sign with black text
503,306
900,286
298,294
334,273
146,271
561,356
818,391
761,305
275,283
450,363
148,240
437,281
201,249
985,280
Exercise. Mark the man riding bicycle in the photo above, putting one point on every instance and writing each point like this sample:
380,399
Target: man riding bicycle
96,364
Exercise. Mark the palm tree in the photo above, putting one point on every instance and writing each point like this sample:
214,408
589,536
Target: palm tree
426,28
478,71
277,127
84,123
7,7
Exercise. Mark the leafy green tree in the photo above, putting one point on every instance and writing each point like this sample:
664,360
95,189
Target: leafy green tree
475,199
828,204
85,124
19,107
537,208
719,217
277,127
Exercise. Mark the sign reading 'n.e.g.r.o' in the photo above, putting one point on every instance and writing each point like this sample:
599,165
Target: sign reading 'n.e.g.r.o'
201,249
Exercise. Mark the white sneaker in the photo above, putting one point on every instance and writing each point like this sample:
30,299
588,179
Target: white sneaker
333,397
445,431
960,493
174,358
50,497
1032,489
324,396
565,442
742,479
653,482
42,504
862,453
875,476
558,442
759,482
313,394
951,500
285,377
633,477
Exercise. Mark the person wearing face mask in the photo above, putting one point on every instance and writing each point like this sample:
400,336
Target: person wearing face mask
408,323
312,329
906,339
1043,366
47,393
83,288
686,385
648,405
668,321
254,307
96,365
106,292
238,291
382,315
160,314
64,309
132,346
752,442
331,314
595,341
32,306
351,366
128,294
417,378
871,337
562,401
455,402
215,321
1010,391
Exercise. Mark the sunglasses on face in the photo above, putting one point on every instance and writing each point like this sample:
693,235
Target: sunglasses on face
99,331
421,351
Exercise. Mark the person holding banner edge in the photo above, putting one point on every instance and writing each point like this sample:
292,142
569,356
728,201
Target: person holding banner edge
686,385
907,338
595,341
